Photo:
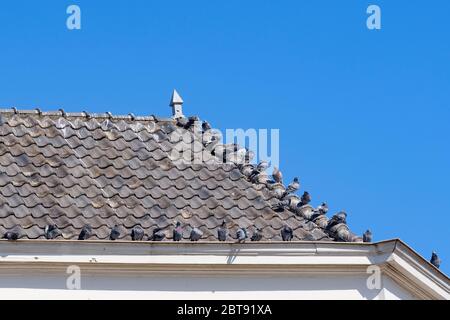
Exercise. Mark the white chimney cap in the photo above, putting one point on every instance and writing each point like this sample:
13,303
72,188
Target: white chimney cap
176,99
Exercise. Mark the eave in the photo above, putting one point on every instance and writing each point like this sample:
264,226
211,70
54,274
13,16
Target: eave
394,257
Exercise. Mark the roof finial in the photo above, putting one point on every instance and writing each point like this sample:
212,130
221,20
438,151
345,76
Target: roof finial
177,105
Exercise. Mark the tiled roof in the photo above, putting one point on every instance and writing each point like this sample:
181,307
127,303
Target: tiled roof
77,169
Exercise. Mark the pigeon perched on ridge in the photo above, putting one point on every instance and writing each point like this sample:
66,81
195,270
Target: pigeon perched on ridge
262,166
237,157
86,232
177,232
338,218
257,236
435,260
115,233
305,199
249,155
137,233
158,235
287,233
322,209
191,121
51,231
182,122
219,152
196,234
293,186
281,205
206,126
241,234
277,175
367,236
222,232
260,169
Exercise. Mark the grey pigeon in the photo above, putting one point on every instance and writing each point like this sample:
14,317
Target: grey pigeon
196,234
277,175
241,234
249,155
177,232
262,166
182,122
322,209
51,231
137,233
367,236
191,121
435,260
206,126
257,236
115,233
293,186
85,233
287,233
306,198
281,205
338,218
158,235
12,235
222,232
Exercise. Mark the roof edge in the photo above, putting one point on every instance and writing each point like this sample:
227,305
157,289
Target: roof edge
84,115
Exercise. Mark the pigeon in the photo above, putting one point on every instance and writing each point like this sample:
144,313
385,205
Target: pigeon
12,235
293,186
257,236
191,121
219,152
338,218
237,157
177,232
287,233
367,236
158,235
241,234
206,126
281,205
249,155
85,233
182,122
51,231
262,166
115,233
277,175
196,234
435,260
306,198
222,232
322,209
137,233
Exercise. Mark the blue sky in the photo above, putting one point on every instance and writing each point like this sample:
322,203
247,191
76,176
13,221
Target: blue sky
363,115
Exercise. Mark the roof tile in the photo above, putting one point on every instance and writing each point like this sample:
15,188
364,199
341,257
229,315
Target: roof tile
75,169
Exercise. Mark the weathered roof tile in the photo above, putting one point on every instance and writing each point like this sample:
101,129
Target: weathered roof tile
72,169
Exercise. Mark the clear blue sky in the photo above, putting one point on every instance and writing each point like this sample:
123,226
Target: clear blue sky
363,115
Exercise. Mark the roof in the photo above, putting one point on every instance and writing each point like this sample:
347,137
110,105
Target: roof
77,169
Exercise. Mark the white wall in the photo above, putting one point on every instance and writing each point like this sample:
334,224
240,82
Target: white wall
263,270
148,286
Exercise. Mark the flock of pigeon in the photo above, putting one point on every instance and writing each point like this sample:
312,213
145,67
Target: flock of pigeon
241,157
